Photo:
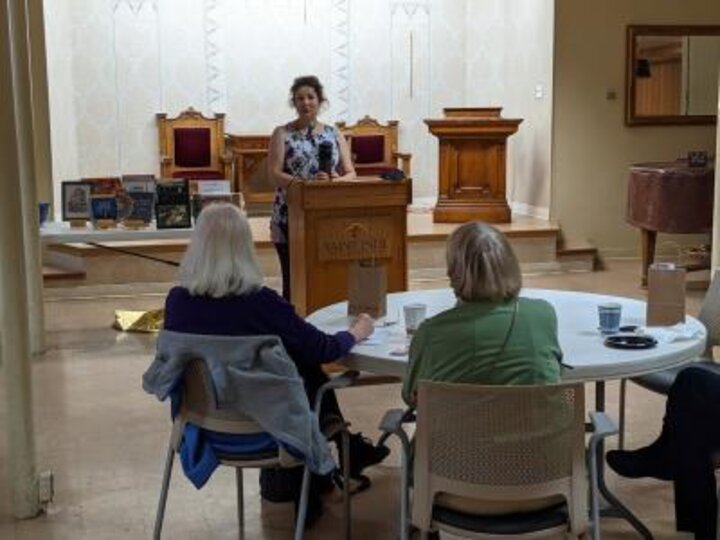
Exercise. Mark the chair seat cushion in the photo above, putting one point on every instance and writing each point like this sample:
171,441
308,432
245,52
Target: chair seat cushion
199,175
375,170
661,381
509,524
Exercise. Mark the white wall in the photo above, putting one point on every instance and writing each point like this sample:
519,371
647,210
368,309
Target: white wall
114,63
592,147
509,64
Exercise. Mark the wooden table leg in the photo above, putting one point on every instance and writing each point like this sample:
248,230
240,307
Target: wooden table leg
648,239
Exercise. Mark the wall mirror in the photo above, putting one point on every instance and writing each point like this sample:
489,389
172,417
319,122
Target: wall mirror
672,74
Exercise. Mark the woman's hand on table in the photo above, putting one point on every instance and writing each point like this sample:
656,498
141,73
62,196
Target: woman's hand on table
361,327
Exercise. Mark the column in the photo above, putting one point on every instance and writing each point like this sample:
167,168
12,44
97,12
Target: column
41,189
716,210
16,158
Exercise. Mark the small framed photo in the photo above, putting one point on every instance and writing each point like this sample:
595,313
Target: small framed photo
76,200
201,201
142,210
172,216
104,185
104,208
138,183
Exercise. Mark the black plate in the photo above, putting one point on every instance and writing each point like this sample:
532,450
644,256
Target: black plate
630,342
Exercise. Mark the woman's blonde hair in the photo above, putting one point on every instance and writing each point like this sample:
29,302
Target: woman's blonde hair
220,260
481,264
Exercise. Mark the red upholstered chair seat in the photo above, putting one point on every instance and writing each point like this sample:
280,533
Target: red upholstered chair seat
372,170
192,147
200,175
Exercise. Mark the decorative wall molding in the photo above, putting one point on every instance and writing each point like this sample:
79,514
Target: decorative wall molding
215,87
340,72
134,5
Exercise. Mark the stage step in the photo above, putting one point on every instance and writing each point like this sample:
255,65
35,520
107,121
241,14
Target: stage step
577,256
535,242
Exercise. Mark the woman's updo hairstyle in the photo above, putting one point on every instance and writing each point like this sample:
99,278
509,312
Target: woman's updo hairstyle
307,80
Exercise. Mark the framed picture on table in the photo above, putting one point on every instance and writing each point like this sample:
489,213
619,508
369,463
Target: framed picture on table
76,200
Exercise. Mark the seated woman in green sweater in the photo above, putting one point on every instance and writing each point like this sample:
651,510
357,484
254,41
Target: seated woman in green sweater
492,336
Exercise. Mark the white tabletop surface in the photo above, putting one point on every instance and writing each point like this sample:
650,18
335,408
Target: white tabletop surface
61,233
585,356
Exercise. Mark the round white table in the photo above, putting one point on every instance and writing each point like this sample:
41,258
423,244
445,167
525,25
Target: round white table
585,357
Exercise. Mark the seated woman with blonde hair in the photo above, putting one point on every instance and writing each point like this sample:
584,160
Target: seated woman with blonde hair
492,336
221,292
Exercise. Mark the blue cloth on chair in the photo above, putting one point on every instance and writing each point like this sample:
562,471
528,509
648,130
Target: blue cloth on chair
252,375
200,449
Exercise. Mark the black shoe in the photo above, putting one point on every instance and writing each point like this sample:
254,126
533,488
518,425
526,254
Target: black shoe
357,483
644,462
363,454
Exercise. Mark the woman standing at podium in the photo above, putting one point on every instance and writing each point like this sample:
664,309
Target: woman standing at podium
303,149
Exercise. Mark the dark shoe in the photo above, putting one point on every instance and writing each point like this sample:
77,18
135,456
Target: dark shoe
323,484
644,462
363,454
357,484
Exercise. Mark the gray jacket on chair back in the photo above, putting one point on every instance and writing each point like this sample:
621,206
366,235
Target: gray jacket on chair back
252,375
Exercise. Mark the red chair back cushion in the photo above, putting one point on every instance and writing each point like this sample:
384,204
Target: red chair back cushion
192,147
368,148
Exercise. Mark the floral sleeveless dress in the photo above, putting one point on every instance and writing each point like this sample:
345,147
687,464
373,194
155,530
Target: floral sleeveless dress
301,161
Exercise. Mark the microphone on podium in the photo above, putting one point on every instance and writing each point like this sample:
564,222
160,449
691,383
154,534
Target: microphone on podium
325,154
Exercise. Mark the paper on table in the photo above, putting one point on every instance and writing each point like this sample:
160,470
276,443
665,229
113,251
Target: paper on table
379,337
668,334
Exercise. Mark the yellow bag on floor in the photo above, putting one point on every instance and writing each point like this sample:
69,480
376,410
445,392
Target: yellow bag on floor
139,321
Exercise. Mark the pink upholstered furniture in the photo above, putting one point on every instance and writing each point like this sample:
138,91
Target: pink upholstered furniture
193,146
374,147
669,198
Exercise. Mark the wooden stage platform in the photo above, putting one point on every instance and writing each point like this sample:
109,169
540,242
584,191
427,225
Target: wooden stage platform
536,243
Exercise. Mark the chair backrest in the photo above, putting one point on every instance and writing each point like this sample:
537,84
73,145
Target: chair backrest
499,443
199,405
193,146
372,144
710,314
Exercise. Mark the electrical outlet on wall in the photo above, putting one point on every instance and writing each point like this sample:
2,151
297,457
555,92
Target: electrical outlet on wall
46,487
539,91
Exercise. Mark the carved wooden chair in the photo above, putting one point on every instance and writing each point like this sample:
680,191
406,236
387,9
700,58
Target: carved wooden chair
374,147
193,146
251,171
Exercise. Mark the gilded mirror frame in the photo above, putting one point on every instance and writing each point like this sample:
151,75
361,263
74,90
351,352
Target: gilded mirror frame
635,31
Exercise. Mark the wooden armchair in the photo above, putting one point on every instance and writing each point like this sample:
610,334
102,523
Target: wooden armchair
374,147
251,171
193,146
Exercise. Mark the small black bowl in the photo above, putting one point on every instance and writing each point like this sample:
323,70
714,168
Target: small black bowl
625,341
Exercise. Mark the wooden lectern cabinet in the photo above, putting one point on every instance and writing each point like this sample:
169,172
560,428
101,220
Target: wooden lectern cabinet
471,176
333,224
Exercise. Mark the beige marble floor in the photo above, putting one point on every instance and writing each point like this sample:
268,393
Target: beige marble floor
105,439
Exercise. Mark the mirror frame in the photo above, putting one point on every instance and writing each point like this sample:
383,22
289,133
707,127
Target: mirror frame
635,30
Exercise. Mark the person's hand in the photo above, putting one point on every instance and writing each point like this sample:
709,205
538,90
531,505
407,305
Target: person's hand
362,327
334,175
322,175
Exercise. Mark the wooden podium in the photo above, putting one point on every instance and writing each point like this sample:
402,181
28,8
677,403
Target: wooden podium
472,164
333,224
